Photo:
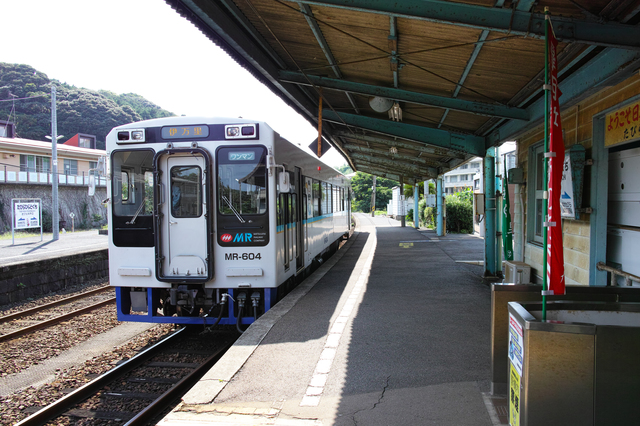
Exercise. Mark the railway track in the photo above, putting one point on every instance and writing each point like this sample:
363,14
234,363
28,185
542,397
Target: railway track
143,387
39,317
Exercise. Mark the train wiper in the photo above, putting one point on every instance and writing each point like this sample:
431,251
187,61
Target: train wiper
240,218
133,220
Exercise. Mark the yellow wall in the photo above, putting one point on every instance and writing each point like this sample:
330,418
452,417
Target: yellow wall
578,129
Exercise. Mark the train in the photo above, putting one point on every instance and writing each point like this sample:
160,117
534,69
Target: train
213,220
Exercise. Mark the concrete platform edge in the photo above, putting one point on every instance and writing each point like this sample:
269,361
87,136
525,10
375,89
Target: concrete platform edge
215,380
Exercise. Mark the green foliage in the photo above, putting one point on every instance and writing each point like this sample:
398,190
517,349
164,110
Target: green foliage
460,212
408,191
344,169
79,110
362,184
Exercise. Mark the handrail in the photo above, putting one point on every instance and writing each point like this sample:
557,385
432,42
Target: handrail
628,277
44,177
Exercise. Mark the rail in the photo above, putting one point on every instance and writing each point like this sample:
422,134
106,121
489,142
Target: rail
628,277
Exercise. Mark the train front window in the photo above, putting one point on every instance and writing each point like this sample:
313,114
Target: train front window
132,185
242,181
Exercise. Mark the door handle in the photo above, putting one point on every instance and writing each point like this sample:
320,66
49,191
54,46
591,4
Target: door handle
172,223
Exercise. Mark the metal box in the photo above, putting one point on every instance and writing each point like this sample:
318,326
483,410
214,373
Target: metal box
516,272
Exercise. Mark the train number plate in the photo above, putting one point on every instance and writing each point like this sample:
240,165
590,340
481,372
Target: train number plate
242,256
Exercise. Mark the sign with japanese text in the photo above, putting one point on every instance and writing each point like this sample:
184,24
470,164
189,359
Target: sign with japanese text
622,125
26,215
567,200
516,344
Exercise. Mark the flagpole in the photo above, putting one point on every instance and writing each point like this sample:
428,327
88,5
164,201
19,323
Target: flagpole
545,202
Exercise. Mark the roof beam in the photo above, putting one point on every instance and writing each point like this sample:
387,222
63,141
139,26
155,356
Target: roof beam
469,144
317,32
407,177
383,174
478,108
416,146
495,19
608,68
397,165
421,160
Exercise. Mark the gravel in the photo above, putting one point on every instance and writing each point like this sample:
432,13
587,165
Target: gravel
19,354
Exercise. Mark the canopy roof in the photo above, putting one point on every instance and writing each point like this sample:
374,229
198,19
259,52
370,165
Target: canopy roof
467,75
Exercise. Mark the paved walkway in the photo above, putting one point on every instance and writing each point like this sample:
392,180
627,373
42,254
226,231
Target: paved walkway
395,333
32,248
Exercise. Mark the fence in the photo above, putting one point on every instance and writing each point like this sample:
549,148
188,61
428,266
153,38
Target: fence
16,176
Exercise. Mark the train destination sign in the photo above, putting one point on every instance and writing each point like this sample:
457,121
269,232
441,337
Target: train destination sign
185,132
242,156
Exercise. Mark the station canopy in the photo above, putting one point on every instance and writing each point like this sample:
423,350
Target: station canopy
415,88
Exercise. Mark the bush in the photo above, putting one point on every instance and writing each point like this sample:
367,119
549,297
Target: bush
460,212
409,216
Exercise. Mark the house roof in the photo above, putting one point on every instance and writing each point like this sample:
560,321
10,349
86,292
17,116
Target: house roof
467,74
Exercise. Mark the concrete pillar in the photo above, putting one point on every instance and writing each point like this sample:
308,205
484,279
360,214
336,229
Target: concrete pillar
490,214
439,208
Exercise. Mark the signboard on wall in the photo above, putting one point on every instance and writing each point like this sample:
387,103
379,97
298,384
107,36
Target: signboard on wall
622,125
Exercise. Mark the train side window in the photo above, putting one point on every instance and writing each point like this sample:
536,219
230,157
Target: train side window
316,196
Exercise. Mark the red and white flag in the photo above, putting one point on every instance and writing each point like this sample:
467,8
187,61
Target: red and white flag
555,256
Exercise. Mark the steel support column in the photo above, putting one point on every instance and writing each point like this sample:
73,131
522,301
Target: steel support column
439,207
416,216
490,214
401,209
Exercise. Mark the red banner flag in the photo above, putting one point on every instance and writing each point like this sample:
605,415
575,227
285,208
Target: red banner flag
555,256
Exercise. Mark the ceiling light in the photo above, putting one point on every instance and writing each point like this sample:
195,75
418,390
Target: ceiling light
379,104
395,113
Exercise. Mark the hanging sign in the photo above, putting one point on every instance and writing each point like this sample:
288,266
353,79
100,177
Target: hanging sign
622,125
26,215
572,182
567,201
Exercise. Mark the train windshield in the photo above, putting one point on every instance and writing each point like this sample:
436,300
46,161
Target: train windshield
242,181
132,183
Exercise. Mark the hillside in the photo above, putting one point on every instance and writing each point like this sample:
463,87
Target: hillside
79,110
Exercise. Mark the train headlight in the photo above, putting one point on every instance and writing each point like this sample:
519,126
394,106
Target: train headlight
233,132
241,131
131,136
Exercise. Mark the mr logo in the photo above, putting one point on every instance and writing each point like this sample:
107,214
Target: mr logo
243,238
238,238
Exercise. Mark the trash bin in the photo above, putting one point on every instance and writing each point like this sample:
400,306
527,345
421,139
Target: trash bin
503,293
577,368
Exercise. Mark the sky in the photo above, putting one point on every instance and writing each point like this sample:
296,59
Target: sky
143,47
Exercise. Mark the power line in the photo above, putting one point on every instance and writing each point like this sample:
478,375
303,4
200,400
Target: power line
28,97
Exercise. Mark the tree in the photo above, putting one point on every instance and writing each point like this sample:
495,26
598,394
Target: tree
79,110
362,184
345,169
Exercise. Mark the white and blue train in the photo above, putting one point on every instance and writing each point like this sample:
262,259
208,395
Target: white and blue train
213,220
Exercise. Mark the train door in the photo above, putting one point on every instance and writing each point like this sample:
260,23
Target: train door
298,210
184,227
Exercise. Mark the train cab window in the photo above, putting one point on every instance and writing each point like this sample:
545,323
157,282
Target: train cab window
242,181
133,199
133,183
186,191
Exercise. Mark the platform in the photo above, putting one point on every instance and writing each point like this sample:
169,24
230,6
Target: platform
393,330
28,249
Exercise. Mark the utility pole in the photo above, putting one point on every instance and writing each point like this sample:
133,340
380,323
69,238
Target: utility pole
54,164
373,198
